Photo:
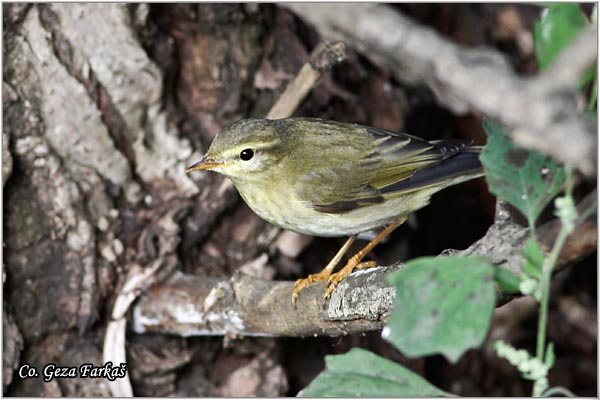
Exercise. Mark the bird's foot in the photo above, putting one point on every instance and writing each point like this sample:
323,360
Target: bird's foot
343,273
301,284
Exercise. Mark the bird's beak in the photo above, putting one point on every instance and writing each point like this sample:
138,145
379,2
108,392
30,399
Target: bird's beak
205,163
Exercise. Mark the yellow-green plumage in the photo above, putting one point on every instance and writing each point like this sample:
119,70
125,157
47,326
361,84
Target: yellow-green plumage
328,178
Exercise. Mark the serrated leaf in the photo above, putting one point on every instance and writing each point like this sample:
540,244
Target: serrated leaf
360,373
534,259
508,281
443,305
525,178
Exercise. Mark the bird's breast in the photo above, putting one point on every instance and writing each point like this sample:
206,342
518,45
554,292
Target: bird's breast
279,205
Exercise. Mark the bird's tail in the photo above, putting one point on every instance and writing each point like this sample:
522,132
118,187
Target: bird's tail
474,149
460,167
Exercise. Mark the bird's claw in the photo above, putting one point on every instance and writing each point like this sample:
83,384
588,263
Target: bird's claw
335,279
302,284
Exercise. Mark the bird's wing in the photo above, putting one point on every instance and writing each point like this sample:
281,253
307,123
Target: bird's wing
342,183
337,190
396,163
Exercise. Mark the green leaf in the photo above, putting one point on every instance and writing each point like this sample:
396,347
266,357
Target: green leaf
525,178
508,281
531,287
559,26
360,373
592,102
550,356
534,259
591,115
443,305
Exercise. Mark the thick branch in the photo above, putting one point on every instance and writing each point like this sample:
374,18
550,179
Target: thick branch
539,110
191,305
505,240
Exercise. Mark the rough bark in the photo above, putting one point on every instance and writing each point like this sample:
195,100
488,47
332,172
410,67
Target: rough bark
90,143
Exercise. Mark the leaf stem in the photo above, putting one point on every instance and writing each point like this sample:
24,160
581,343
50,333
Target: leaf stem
547,268
594,94
558,390
532,229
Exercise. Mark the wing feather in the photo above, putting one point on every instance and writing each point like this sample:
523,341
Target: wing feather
377,163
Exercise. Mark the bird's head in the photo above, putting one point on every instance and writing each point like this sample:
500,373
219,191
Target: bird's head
244,150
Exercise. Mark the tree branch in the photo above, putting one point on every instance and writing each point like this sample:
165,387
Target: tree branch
321,60
539,110
191,305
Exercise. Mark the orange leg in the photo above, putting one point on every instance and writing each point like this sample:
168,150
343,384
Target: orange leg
355,261
325,273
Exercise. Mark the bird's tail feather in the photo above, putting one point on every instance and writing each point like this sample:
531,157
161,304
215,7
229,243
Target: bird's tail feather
459,168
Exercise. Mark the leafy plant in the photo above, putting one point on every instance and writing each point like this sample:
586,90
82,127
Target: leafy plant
364,374
445,304
559,26
526,179
544,178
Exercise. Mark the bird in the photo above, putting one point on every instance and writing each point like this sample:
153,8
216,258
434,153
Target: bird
335,179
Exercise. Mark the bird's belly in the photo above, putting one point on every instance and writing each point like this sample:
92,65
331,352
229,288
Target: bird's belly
282,210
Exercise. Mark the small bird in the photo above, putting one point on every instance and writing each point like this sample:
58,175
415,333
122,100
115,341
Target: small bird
327,178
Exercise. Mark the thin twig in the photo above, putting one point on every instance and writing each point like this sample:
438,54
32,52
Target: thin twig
321,60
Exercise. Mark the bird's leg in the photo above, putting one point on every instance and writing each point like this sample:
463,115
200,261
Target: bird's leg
355,261
325,272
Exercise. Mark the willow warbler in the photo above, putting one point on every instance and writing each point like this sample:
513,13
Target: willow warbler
327,178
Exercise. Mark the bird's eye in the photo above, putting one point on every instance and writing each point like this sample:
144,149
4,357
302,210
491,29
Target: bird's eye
247,154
